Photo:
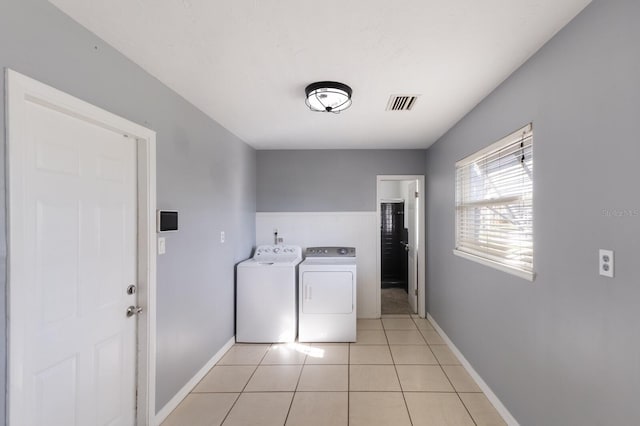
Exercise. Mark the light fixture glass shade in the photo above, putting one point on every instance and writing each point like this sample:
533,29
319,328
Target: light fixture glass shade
328,96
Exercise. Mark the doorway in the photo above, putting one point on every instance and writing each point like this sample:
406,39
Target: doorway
81,257
401,271
394,259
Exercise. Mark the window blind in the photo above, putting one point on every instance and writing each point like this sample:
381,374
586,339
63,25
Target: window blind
494,202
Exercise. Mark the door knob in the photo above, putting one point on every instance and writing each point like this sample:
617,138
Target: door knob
133,310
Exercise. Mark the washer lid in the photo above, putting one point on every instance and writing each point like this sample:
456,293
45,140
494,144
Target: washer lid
266,263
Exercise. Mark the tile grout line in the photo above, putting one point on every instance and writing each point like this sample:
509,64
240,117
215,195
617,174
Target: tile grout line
451,383
349,377
443,370
230,408
245,385
295,390
395,368
466,409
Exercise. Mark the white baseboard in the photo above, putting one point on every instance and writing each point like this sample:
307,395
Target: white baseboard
182,393
502,410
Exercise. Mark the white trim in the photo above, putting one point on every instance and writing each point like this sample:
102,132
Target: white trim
529,276
422,214
18,89
191,384
147,260
499,406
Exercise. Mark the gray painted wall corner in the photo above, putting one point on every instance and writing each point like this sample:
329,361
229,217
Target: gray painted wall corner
563,349
203,171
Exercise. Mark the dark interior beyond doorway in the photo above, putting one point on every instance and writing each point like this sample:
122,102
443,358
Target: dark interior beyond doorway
393,240
394,259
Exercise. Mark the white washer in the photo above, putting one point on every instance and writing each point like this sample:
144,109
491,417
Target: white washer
266,295
327,308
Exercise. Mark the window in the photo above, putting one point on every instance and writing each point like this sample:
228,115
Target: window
494,205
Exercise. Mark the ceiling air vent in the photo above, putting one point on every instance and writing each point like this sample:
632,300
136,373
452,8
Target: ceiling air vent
401,102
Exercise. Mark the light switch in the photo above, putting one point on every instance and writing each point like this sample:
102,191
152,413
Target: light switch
222,236
162,246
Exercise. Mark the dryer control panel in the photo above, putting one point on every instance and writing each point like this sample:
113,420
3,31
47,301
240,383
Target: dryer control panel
330,252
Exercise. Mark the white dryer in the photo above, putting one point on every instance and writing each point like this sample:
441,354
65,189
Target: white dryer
327,308
266,295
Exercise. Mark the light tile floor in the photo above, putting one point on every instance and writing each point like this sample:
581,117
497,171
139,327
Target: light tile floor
400,372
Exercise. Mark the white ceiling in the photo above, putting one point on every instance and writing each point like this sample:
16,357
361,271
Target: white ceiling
245,63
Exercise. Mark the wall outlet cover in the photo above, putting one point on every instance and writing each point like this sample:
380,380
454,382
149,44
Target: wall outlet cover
605,262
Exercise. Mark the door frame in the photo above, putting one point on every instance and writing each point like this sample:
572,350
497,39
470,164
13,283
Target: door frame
19,90
421,240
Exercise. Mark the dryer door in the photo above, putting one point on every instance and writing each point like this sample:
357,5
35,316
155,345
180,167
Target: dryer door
327,292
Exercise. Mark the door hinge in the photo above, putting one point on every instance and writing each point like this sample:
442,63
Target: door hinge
417,194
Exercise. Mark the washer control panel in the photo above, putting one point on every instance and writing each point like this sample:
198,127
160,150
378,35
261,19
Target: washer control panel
278,253
330,252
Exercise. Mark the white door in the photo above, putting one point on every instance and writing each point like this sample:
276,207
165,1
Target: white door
73,240
412,228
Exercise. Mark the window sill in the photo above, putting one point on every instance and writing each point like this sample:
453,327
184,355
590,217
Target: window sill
529,276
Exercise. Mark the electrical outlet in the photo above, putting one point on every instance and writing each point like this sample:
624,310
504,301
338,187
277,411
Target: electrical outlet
162,245
280,240
606,263
222,236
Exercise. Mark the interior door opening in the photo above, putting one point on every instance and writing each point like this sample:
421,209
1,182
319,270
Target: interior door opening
394,258
400,250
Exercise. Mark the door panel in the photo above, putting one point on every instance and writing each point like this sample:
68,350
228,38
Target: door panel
55,390
329,292
56,270
80,242
109,358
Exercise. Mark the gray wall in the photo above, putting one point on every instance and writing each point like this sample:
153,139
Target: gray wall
202,170
565,349
328,180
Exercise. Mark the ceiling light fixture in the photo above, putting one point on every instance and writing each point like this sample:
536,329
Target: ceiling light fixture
328,96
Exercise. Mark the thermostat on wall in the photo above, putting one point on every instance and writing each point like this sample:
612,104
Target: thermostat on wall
167,220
